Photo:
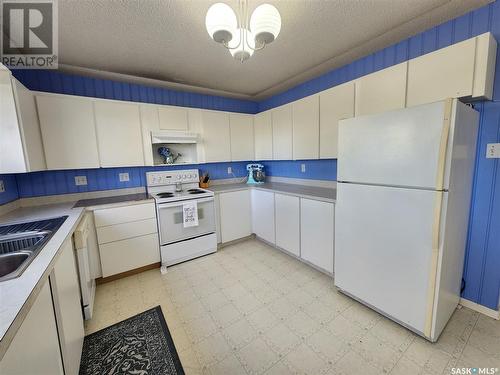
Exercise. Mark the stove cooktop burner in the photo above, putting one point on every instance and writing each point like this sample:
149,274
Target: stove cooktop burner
165,195
196,191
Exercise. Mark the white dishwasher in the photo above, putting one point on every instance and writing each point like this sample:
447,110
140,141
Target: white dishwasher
87,281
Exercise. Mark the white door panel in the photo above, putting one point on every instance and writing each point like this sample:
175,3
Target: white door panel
383,248
400,148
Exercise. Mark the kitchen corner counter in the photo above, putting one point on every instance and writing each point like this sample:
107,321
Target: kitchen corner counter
303,191
17,295
113,201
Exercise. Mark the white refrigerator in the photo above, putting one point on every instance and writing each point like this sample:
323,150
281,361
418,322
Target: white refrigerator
403,197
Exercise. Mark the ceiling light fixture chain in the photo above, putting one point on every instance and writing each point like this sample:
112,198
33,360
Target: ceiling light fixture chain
240,34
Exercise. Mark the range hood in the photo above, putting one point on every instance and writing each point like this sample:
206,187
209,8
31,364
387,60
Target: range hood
172,136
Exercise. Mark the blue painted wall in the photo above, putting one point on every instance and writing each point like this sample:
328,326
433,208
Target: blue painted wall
483,249
10,185
325,169
37,184
62,83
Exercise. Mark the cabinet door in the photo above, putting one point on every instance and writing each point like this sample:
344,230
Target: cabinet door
149,123
381,91
173,118
68,132
242,139
216,136
196,126
35,347
263,136
316,233
287,209
335,104
263,215
129,254
306,128
66,296
235,215
11,146
119,134
217,218
445,73
30,127
282,132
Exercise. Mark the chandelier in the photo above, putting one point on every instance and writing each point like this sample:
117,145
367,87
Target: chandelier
241,37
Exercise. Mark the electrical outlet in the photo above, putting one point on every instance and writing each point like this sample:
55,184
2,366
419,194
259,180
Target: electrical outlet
303,168
493,150
124,177
2,186
80,180
229,170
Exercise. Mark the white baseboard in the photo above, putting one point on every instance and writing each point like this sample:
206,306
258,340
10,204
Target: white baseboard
495,314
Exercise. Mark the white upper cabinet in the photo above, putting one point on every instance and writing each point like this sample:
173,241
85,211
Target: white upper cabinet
242,139
216,136
381,91
460,70
306,128
263,136
484,68
195,120
173,118
149,123
68,131
119,134
29,127
20,138
335,104
282,132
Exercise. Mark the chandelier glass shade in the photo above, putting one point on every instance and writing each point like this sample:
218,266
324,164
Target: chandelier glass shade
239,34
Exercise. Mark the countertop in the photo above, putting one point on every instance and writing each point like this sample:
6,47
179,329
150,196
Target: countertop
17,295
113,201
303,191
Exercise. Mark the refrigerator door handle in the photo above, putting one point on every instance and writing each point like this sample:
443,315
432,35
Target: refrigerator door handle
431,292
443,144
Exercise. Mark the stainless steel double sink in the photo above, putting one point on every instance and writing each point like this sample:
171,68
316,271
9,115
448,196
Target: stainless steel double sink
20,243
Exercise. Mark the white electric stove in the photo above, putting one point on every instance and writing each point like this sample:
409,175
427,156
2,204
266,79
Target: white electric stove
173,191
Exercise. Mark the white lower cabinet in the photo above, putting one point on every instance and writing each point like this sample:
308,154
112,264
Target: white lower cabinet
35,347
127,237
217,218
129,254
287,209
67,307
263,215
235,215
316,233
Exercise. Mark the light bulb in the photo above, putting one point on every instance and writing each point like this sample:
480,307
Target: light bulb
243,50
221,22
265,23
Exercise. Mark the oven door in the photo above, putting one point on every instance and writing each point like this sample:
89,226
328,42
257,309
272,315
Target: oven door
171,226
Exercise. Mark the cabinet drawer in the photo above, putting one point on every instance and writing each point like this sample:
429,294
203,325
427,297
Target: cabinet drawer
126,214
123,231
126,255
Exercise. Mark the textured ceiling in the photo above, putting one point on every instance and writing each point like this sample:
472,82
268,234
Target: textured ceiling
166,40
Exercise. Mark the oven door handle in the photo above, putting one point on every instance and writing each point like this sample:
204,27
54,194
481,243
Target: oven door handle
180,203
